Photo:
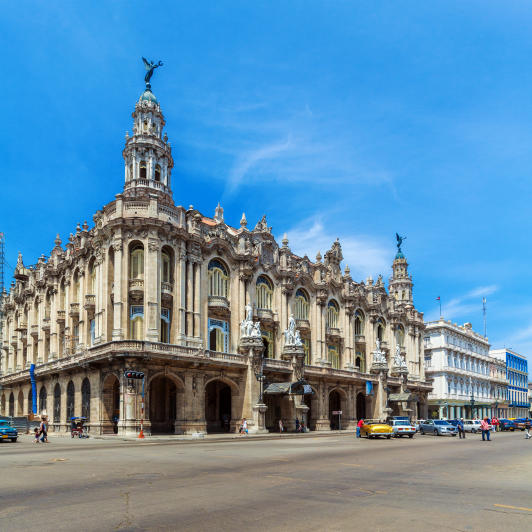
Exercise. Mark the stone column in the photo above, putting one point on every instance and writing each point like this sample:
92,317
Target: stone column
181,284
197,301
53,327
322,421
118,296
190,298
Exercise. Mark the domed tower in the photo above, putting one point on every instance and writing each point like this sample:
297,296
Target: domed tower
147,154
400,284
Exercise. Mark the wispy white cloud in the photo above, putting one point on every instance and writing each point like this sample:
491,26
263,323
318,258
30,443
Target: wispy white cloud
462,306
365,255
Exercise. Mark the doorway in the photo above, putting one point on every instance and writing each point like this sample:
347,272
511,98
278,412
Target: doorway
218,407
163,397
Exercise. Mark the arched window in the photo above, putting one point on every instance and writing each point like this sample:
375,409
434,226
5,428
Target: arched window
157,172
136,322
36,311
43,395
166,267
400,336
267,340
62,295
70,401
57,403
165,325
301,305
11,405
92,278
218,279
75,288
30,402
359,323
145,127
143,171
130,168
360,362
332,314
334,357
3,405
218,335
380,329
86,399
136,261
264,293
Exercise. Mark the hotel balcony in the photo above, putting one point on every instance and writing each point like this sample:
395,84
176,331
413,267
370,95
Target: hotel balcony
136,287
34,331
333,332
90,302
61,316
265,315
74,310
218,303
167,288
304,325
360,339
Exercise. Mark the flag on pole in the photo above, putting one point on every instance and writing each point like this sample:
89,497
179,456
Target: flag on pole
438,298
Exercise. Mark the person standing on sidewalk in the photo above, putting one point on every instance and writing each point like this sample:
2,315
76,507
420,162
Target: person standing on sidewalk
485,427
359,426
527,428
281,428
460,427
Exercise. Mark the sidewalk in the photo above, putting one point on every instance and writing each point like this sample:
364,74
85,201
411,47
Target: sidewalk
211,438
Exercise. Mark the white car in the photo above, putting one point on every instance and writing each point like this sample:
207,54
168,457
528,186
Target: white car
473,425
402,427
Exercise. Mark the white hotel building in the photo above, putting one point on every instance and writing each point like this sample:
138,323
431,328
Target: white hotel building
467,382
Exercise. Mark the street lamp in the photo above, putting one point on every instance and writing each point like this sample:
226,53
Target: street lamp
472,401
259,375
446,405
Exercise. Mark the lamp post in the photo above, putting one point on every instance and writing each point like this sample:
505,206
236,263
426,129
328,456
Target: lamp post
472,401
446,405
259,375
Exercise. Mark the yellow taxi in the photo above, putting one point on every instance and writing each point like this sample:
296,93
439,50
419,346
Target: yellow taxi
374,428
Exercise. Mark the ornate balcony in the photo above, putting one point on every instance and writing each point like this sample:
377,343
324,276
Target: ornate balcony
90,302
218,303
14,340
167,288
136,287
360,339
34,331
61,316
46,324
22,325
333,332
265,315
74,310
303,325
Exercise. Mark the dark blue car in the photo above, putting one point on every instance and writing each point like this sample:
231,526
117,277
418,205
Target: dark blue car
7,432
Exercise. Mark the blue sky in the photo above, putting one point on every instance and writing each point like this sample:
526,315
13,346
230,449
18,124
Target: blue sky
336,119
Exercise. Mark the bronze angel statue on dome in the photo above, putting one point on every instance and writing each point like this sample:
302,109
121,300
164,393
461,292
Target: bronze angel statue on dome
150,67
400,240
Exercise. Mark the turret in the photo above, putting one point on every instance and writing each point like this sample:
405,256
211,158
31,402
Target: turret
400,283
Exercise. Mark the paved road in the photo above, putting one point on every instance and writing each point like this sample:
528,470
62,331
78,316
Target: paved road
335,483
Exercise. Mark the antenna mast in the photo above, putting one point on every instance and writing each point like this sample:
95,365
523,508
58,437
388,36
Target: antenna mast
484,314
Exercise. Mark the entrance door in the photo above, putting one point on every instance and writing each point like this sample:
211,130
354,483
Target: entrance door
111,405
218,407
308,401
163,396
361,406
335,404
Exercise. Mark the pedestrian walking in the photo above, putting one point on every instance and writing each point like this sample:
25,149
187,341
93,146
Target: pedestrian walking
495,424
461,429
527,428
485,427
244,427
297,424
359,426
43,429
281,428
36,435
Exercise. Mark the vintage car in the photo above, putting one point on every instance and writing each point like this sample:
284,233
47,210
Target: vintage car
506,424
373,428
7,432
438,427
401,426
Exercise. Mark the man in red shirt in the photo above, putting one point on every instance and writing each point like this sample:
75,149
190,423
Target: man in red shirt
359,425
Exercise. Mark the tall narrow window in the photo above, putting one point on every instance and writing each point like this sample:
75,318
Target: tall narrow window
301,305
334,357
218,279
70,401
264,293
166,267
267,340
360,362
165,325
42,399
57,403
75,288
359,323
136,321
86,399
143,171
306,348
92,326
401,336
136,262
218,335
157,172
332,314
92,278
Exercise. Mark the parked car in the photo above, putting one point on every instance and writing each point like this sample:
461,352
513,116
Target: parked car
519,423
7,432
438,427
417,424
374,428
473,425
402,427
506,424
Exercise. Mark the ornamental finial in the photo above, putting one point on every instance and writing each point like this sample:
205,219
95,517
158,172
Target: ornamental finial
150,67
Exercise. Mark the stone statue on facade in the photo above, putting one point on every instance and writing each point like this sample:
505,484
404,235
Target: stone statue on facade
150,67
378,355
291,335
399,360
249,328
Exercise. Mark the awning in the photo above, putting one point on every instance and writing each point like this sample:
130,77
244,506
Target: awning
404,396
292,388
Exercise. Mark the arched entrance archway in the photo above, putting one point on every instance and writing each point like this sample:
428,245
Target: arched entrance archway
11,405
163,402
308,399
218,404
111,404
361,406
335,404
20,403
70,401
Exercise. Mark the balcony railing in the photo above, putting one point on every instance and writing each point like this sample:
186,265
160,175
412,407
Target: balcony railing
360,339
136,286
74,310
61,316
167,288
218,302
34,330
303,324
265,314
90,302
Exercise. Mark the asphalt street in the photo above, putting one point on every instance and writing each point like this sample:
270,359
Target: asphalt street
310,483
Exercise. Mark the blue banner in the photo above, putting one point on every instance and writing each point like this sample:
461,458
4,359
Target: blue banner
33,388
369,388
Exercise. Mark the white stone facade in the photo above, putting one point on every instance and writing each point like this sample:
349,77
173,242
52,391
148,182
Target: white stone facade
163,289
458,361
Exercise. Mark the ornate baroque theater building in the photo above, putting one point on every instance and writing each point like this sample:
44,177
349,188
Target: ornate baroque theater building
224,322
